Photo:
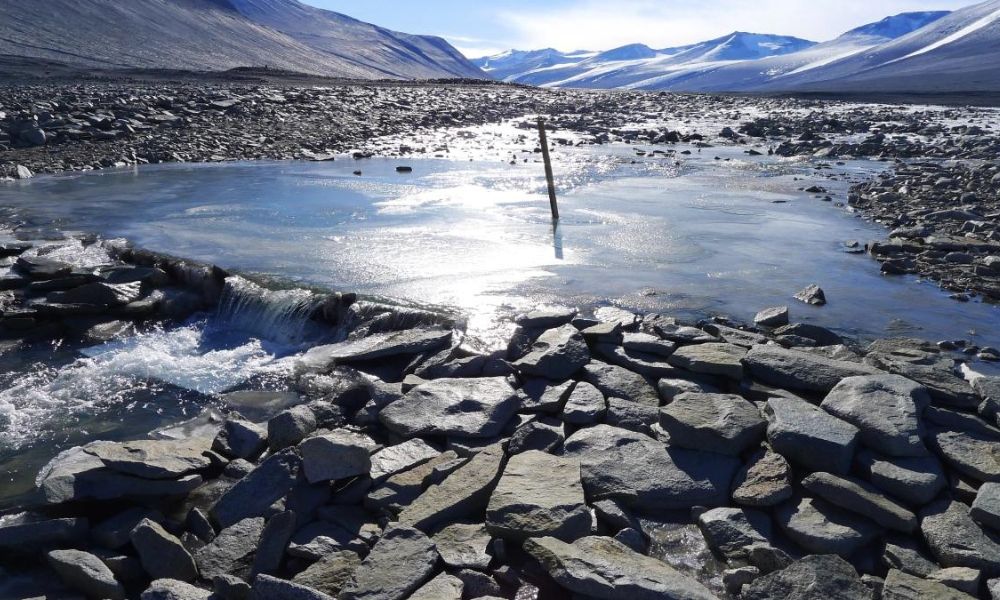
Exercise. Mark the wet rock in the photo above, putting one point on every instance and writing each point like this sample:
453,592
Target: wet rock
39,268
337,455
809,436
585,405
604,568
986,508
377,346
290,427
812,294
795,370
617,382
721,423
266,587
956,540
154,459
331,573
643,474
772,317
464,492
99,294
863,498
556,354
476,408
974,455
395,459
885,408
163,556
253,495
539,495
442,587
729,531
546,319
723,360
232,551
240,438
900,586
464,546
766,480
401,561
914,480
85,572
824,529
812,578
170,589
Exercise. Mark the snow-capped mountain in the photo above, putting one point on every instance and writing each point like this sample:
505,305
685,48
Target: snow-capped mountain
220,34
872,57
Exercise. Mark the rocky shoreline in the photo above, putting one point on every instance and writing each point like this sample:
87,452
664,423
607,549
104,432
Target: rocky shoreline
415,467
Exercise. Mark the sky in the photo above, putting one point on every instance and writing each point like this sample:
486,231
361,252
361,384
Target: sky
485,27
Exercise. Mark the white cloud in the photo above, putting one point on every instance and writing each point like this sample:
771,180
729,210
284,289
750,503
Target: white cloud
605,24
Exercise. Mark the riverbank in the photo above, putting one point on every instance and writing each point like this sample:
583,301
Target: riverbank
392,459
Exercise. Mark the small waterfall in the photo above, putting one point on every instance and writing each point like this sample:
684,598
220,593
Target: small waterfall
282,316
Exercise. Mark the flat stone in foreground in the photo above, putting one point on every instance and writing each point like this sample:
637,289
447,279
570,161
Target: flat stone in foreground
154,459
601,567
442,587
539,495
795,370
476,408
401,561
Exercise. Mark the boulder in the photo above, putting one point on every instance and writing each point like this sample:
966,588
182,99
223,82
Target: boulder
986,508
886,409
546,318
27,533
395,459
274,540
764,481
962,579
900,586
99,294
863,498
933,371
796,370
253,495
556,354
86,573
240,438
464,546
646,475
824,577
601,567
809,436
232,551
724,360
972,454
812,294
163,556
585,405
956,540
289,427
545,434
776,316
331,573
824,529
618,382
539,495
728,531
377,346
442,587
907,559
266,587
171,589
154,459
721,423
472,408
399,564
339,454
915,480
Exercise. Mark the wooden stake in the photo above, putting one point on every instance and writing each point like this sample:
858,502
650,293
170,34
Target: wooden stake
549,178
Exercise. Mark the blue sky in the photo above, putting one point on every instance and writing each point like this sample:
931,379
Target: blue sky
480,27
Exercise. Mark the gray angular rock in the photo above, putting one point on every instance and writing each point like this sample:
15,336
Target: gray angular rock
99,294
401,489
766,480
253,495
395,459
86,573
289,427
648,344
375,346
722,423
545,434
795,370
824,529
399,564
932,370
331,573
585,405
724,360
601,567
885,408
154,459
442,587
809,436
824,577
464,492
273,543
907,559
644,474
464,546
339,454
956,540
240,438
540,395
116,531
901,586
916,480
954,420
232,551
971,454
776,316
618,382
669,388
986,508
539,495
546,318
963,579
266,587
473,408
163,556
863,498
728,531
812,294
631,415
556,354
171,589
27,533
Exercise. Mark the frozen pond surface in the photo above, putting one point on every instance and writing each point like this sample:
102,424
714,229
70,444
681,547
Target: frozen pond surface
687,235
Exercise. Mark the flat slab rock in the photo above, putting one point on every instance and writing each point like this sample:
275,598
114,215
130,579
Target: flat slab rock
902,586
154,459
601,567
863,498
822,528
379,345
916,480
87,573
722,423
476,408
619,382
644,474
400,563
973,454
886,409
820,577
556,354
956,540
809,436
539,495
795,370
724,360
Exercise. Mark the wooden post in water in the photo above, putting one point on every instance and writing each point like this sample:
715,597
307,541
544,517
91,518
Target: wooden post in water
549,178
